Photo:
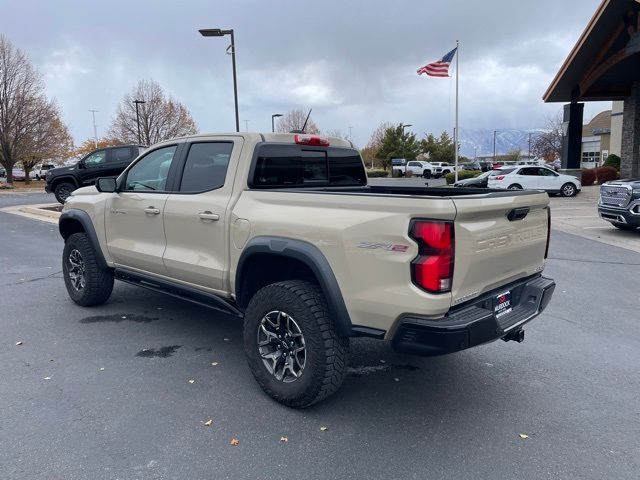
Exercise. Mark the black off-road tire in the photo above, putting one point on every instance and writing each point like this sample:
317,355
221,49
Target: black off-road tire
327,353
426,174
63,190
98,282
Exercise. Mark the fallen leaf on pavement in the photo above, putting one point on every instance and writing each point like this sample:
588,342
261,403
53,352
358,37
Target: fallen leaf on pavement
18,344
323,429
47,378
227,339
191,380
383,361
215,364
208,423
102,369
523,436
234,442
396,379
284,439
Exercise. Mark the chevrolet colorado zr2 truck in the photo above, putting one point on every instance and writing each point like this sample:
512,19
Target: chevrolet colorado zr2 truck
283,231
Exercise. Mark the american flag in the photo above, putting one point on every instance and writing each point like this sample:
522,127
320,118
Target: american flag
439,68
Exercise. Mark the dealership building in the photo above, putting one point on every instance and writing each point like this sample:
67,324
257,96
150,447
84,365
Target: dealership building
604,65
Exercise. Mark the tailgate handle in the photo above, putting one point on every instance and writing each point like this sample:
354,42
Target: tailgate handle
518,214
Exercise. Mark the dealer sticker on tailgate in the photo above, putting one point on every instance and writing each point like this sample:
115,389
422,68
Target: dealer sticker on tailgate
502,304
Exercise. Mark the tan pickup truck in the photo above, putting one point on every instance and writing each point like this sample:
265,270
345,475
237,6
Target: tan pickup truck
284,231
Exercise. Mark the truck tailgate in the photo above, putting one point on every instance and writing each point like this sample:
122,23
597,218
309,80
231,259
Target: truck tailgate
493,245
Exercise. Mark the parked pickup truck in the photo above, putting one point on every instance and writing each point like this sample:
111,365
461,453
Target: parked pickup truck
619,203
284,231
418,168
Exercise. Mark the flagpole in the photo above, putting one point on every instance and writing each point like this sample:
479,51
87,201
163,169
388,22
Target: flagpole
457,128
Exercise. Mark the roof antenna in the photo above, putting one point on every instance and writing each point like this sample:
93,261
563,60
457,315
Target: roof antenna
306,120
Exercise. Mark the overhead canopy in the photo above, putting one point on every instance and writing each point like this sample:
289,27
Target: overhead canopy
605,62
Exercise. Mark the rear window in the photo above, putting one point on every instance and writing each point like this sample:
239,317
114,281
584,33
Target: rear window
298,166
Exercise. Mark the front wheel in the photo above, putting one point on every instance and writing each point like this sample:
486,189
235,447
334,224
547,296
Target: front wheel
63,191
568,190
426,174
291,344
87,282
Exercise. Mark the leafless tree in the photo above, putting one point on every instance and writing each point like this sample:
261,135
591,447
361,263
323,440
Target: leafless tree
23,105
294,120
548,143
337,133
378,135
161,117
49,140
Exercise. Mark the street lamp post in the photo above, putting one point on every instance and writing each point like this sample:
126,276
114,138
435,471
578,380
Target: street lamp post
138,102
95,129
494,145
217,32
403,140
273,117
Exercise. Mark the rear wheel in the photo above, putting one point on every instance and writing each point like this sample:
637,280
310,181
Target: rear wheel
291,344
515,186
568,190
63,191
87,283
426,174
623,226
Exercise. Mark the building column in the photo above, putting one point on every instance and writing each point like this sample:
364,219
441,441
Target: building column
630,158
572,140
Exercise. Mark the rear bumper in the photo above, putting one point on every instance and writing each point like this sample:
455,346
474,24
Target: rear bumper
474,323
620,215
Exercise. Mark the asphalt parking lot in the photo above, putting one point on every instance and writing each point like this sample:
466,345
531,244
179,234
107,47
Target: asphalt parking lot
104,392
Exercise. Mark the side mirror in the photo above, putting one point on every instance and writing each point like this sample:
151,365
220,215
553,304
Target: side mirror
106,185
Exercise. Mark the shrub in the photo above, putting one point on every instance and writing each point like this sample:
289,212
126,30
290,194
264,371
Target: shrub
606,174
588,177
461,175
377,173
613,160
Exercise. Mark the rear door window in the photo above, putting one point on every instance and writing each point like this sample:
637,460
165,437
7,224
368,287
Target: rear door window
206,166
121,154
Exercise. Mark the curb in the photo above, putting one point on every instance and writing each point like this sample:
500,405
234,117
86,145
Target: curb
38,210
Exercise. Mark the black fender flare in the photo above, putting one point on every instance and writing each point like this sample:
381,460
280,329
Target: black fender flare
73,215
63,178
313,258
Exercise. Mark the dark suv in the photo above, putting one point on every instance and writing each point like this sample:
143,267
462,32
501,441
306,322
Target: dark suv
104,162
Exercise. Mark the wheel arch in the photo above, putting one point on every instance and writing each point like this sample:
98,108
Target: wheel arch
78,221
293,257
66,178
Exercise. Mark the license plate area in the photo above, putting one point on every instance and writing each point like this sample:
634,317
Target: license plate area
502,304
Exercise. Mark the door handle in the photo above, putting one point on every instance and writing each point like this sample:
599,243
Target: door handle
152,210
213,217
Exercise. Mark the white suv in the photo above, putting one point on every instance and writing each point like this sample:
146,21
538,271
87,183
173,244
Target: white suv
536,178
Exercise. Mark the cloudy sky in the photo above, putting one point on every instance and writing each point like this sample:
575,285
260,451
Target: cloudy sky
353,62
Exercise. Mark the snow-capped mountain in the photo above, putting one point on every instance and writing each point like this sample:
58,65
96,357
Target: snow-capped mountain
481,141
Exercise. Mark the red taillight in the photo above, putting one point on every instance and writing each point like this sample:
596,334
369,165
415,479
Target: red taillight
432,269
546,250
313,140
500,177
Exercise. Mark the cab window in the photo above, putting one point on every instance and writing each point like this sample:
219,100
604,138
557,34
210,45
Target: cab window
122,154
150,173
206,166
95,158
